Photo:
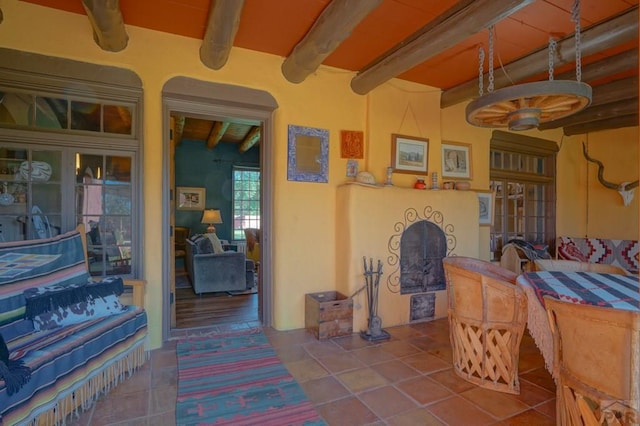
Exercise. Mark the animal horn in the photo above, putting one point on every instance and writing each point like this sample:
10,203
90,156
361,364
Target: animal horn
601,171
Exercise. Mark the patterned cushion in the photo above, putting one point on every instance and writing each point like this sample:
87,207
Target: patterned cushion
202,244
57,306
35,263
622,253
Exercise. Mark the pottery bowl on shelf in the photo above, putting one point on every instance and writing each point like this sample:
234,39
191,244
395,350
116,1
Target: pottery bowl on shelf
463,185
40,171
6,199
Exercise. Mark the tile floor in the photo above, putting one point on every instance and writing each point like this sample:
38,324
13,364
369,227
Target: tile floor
407,380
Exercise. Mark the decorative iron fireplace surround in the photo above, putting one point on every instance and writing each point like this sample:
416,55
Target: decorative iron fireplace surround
410,231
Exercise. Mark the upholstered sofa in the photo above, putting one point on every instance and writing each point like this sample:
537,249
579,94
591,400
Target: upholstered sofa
223,271
65,338
622,253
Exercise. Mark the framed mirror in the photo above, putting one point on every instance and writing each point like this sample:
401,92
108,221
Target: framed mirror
308,156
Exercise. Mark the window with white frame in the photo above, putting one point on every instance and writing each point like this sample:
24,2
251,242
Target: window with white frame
246,200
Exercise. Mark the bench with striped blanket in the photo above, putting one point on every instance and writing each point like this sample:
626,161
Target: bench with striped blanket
76,340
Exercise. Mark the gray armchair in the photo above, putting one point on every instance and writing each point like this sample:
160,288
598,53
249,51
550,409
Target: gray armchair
214,272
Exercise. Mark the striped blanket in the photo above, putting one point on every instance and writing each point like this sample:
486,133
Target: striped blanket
71,365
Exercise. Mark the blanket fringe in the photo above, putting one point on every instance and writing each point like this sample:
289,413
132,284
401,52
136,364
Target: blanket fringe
83,397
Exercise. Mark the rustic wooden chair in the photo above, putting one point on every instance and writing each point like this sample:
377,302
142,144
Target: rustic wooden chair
487,316
575,266
596,363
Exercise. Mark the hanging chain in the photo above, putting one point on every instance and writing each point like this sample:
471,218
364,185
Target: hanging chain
480,71
552,53
575,17
490,87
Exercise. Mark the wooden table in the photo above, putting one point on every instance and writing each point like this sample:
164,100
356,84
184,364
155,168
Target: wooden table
614,291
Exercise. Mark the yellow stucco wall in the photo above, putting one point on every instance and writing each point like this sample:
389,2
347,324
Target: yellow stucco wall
304,223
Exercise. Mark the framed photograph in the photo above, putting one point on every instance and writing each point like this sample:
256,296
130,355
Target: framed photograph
409,154
352,168
308,155
456,160
189,198
485,200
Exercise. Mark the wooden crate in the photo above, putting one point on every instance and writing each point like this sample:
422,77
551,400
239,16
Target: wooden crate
328,314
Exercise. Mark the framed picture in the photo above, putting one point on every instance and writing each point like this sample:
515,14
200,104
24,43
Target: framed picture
352,168
485,200
308,155
456,160
189,198
409,154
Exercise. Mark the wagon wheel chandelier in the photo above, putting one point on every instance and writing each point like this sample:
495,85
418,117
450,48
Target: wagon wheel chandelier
525,106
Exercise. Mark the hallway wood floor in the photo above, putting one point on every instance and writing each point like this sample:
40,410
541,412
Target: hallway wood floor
211,309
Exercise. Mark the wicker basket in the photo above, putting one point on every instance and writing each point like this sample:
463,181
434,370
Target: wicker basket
487,317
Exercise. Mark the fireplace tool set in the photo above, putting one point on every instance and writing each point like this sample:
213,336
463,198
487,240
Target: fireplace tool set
372,284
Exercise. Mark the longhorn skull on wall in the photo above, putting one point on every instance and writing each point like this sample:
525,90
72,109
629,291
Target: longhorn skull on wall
625,189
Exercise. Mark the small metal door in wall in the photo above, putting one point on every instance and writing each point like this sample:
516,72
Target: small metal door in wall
423,245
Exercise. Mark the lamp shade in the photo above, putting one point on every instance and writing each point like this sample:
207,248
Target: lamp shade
211,216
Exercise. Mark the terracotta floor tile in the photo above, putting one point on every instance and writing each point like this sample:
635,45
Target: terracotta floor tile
307,369
530,361
320,391
372,355
424,390
292,353
458,411
114,409
395,371
540,377
500,405
402,332
362,379
399,348
547,408
339,362
425,363
347,411
163,399
419,416
451,380
386,401
352,342
162,376
532,394
530,417
321,348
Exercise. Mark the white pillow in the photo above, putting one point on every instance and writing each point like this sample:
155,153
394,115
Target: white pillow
215,242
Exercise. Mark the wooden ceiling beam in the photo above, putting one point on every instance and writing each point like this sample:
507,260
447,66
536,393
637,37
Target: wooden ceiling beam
624,88
452,27
107,23
253,136
596,113
612,65
597,38
222,26
217,132
630,120
331,28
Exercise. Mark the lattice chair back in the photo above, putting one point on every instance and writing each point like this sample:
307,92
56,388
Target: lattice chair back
487,316
596,363
575,266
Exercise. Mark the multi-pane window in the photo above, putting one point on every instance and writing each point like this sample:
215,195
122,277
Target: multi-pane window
104,205
70,155
523,178
246,200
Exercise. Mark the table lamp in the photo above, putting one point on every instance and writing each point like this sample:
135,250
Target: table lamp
211,216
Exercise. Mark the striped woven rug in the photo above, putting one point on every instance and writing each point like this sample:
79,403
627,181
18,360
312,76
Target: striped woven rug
237,379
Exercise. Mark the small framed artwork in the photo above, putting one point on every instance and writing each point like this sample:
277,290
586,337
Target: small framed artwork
308,155
351,144
190,198
409,154
456,160
352,168
485,215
